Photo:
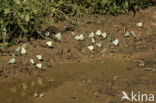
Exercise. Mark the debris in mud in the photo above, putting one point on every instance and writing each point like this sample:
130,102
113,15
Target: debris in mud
12,61
39,57
58,36
139,24
39,66
49,43
98,33
115,42
91,48
79,37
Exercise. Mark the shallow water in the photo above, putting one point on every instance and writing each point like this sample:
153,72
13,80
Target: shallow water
99,81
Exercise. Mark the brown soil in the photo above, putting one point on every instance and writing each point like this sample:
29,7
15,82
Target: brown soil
73,74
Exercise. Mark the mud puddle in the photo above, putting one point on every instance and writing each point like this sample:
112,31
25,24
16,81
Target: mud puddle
98,81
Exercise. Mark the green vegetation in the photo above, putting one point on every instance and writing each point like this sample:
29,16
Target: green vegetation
22,18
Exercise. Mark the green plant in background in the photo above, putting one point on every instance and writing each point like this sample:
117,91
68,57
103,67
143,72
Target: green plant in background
22,18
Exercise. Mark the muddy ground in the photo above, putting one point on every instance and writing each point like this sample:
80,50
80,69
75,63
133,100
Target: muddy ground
73,74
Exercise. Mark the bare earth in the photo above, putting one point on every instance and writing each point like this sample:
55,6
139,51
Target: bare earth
74,74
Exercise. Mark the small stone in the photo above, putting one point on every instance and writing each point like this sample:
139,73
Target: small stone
91,48
115,42
39,66
91,35
49,43
39,57
98,33
32,61
140,24
12,61
104,35
99,44
93,40
58,36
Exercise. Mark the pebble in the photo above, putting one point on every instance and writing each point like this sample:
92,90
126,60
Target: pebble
12,61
